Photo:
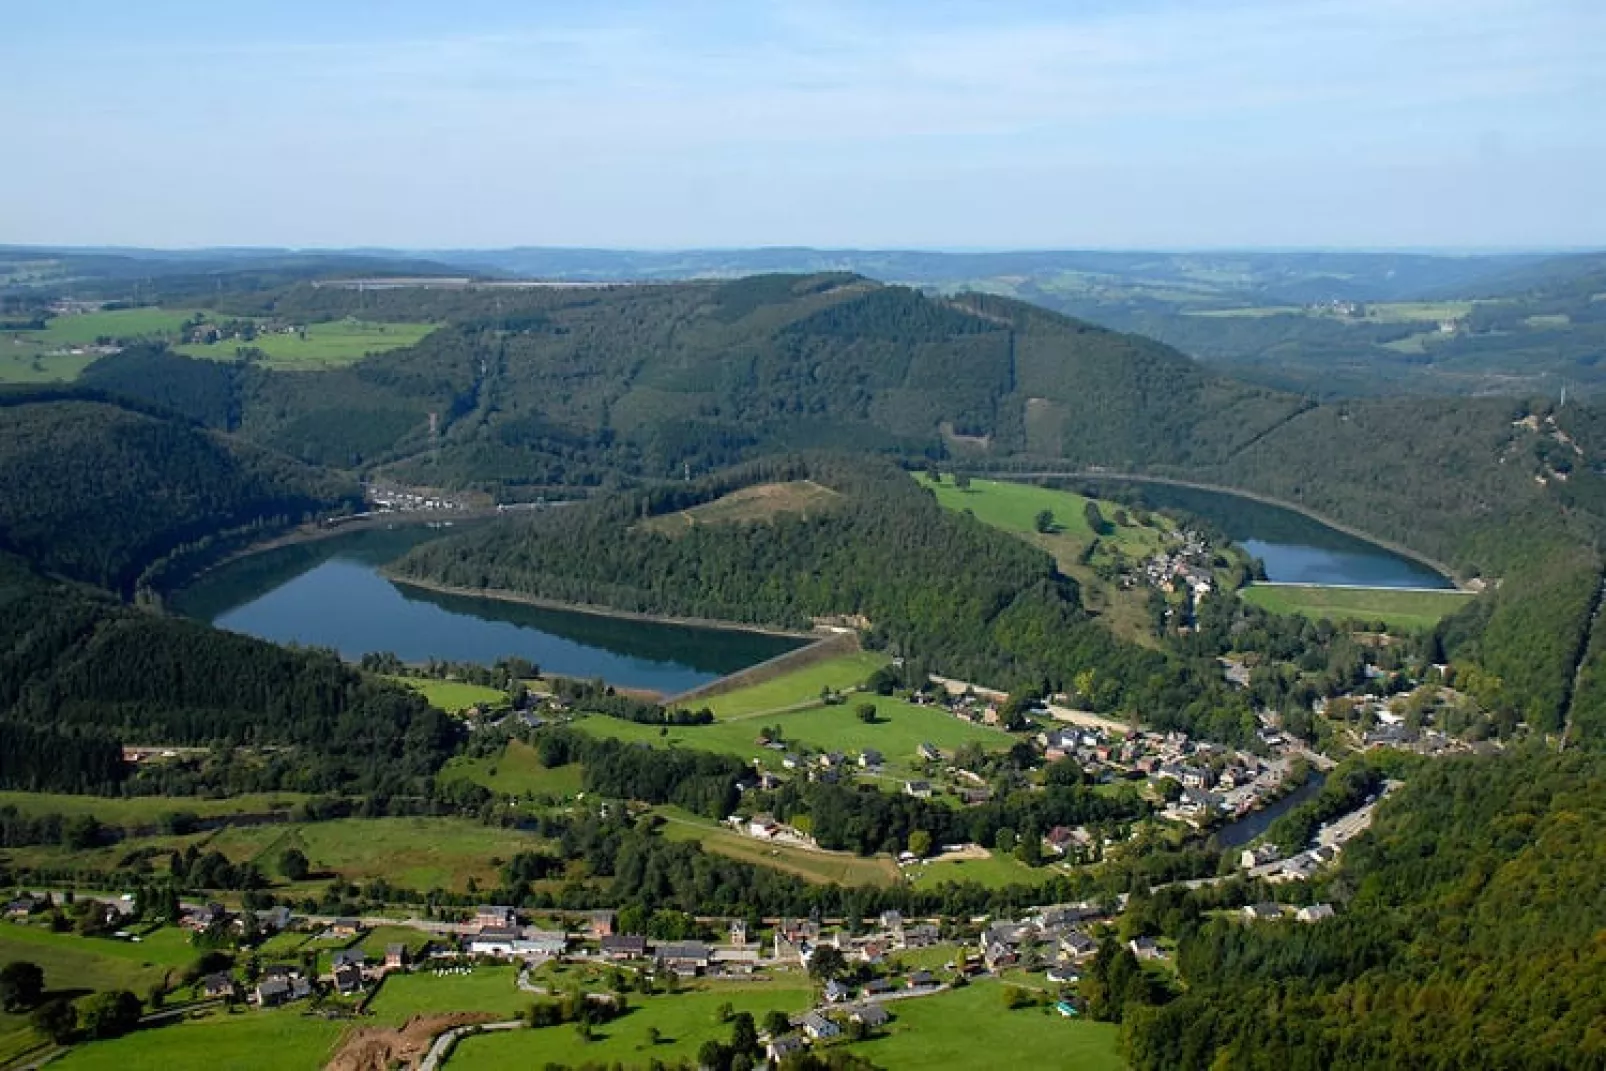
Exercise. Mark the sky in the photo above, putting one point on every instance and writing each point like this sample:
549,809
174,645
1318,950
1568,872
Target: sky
1455,124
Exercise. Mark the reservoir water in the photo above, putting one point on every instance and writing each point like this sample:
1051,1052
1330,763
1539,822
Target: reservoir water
331,593
1294,548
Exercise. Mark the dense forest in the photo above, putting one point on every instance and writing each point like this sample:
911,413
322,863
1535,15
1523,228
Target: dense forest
1469,937
81,675
938,588
97,491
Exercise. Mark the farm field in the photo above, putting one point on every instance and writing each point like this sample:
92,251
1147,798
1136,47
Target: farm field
800,686
487,989
826,868
684,1021
321,345
453,696
238,1041
1385,312
994,872
968,1028
374,941
111,958
756,503
1408,610
418,853
516,772
899,730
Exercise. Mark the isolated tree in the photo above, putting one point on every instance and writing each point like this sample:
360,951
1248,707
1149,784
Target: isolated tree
744,1034
57,1021
22,984
724,1012
827,963
920,842
962,481
1045,521
776,1022
293,865
865,713
654,1035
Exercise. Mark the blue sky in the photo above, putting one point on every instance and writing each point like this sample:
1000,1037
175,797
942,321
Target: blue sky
1144,123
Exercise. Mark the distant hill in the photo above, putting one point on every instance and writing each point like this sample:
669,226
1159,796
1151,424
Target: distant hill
97,491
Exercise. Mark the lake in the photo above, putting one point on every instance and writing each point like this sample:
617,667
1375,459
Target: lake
1294,548
330,593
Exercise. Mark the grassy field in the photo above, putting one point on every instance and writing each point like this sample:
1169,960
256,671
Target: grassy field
238,1041
900,728
823,868
454,696
684,1022
757,503
375,941
488,989
1387,312
994,872
516,772
1407,610
801,686
969,1028
145,810
419,853
39,357
322,345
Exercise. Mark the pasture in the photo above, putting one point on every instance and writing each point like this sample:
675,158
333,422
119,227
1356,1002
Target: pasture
146,810
757,503
684,1021
487,989
47,356
965,1029
238,1040
822,868
994,872
1409,611
417,853
316,346
453,696
517,771
799,687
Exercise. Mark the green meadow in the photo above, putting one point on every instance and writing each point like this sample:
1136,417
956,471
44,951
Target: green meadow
318,345
240,1040
798,687
454,696
822,868
517,771
1410,611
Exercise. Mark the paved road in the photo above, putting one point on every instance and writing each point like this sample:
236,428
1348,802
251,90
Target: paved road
443,1045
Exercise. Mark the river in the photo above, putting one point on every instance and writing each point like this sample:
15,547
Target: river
331,593
1252,825
1294,548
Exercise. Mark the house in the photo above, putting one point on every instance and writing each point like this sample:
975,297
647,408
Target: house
1078,946
836,992
819,1027
891,921
347,957
542,943
345,927
871,759
975,797
1314,913
791,762
922,980
683,956
763,826
1301,867
878,986
1263,912
276,919
624,946
780,1048
600,923
1260,856
920,790
738,931
735,960
272,992
997,954
395,957
219,985
495,916
1064,975
492,941
921,935
929,752
348,980
26,905
1145,948
871,1015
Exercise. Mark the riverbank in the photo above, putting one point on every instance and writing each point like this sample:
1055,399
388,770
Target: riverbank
519,597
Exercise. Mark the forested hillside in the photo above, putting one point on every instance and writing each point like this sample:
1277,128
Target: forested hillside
97,491
962,598
1471,938
81,674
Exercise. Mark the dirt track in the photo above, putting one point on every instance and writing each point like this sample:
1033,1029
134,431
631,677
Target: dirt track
376,1048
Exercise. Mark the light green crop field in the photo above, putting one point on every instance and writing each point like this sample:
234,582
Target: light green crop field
800,686
1413,611
965,1029
994,872
454,696
144,810
318,345
826,868
280,1040
899,730
684,1021
515,772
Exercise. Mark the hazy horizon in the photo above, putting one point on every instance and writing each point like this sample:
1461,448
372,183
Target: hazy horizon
947,126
